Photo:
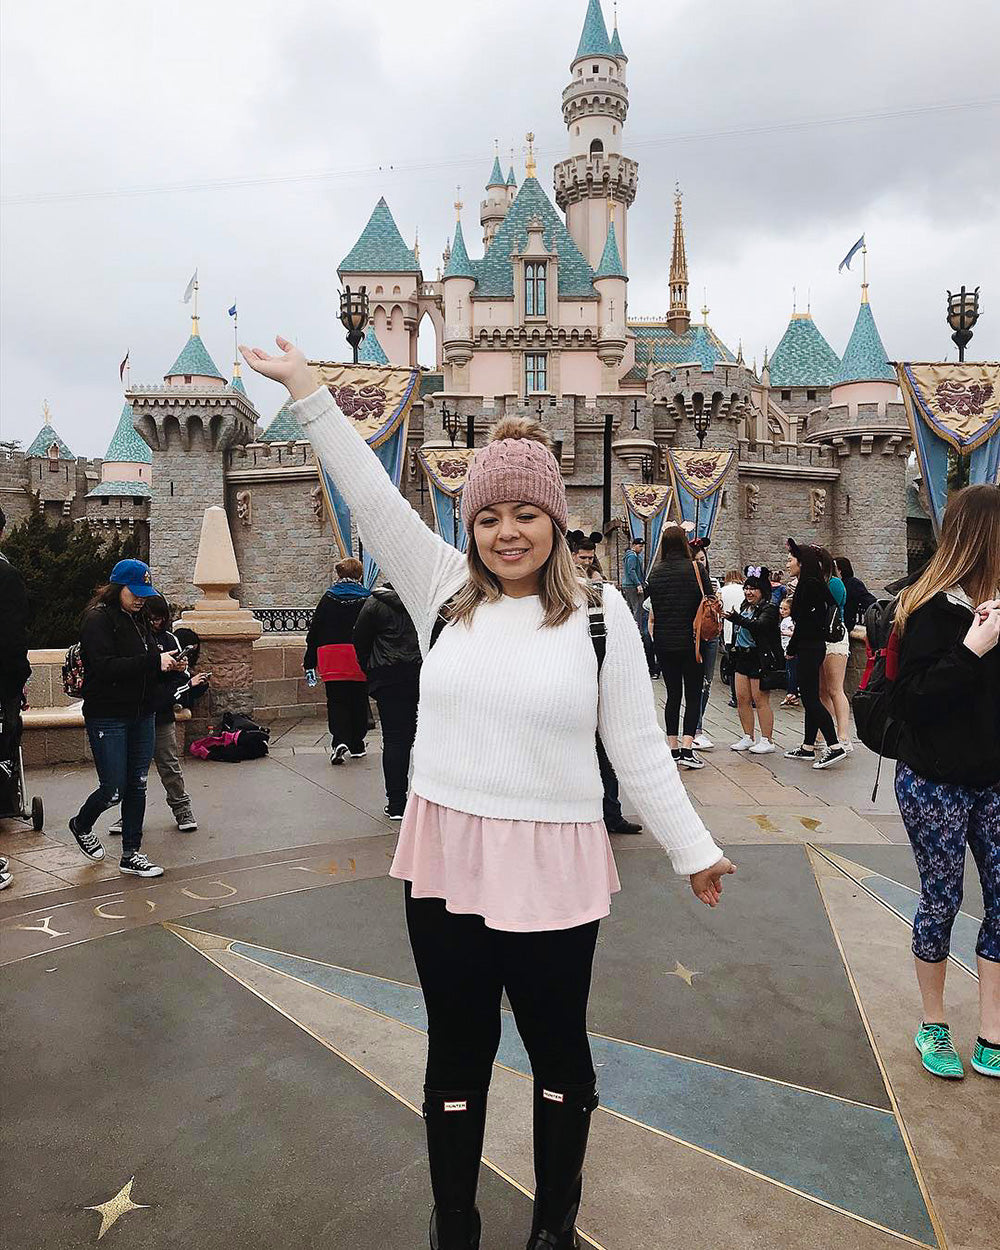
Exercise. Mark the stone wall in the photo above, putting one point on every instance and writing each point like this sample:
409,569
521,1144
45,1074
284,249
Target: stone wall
280,690
871,511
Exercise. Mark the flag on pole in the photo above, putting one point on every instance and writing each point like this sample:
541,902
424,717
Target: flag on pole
124,364
232,311
190,287
846,262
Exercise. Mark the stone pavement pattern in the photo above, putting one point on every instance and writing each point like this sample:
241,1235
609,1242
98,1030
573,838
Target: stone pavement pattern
233,1054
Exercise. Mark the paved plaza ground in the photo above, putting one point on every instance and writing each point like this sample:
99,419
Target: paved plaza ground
232,1056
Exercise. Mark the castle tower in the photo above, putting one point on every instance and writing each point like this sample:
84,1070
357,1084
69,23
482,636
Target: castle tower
383,263
127,459
457,282
610,282
493,209
679,316
596,173
189,423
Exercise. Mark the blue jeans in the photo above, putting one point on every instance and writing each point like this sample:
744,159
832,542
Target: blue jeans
122,750
709,655
792,674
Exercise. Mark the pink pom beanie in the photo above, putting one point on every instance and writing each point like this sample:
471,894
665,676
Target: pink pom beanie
514,469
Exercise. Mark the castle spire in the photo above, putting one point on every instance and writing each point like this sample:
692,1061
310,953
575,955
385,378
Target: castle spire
679,315
530,167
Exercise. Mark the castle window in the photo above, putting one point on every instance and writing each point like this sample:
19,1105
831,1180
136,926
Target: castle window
137,502
395,290
614,130
596,147
597,69
786,396
534,290
536,367
811,395
187,377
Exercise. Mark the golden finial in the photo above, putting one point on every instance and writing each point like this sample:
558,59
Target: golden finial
530,168
416,244
611,210
496,148
46,413
705,310
458,203
678,193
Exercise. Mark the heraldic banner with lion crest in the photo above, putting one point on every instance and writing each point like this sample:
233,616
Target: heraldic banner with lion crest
445,469
377,399
647,506
957,407
698,477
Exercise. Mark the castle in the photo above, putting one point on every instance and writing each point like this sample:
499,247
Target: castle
538,323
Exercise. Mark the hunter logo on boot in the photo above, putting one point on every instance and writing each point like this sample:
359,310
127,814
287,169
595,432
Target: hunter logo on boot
457,1106
552,1097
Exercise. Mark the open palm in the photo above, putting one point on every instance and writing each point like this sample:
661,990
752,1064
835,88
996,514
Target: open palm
290,368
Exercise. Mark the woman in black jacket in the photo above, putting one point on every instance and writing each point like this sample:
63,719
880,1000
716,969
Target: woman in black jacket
122,671
756,651
859,597
330,651
811,606
385,642
946,697
676,587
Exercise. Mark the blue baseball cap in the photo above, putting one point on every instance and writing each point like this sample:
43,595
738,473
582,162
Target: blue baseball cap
136,576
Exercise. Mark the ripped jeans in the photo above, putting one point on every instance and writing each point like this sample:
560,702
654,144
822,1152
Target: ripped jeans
122,750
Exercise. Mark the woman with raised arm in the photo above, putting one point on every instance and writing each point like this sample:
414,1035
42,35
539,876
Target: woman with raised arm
506,862
946,698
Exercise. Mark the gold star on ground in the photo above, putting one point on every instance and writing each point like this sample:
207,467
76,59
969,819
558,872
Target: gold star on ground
685,974
116,1207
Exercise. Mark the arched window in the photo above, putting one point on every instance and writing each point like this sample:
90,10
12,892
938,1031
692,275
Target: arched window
596,147
534,289
379,291
396,290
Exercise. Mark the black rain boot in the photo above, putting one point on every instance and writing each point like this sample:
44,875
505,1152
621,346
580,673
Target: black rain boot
455,1121
561,1124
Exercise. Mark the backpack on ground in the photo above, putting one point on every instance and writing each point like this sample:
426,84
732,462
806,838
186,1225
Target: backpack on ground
72,672
236,739
872,701
235,722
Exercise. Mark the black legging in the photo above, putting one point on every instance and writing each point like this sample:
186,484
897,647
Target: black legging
347,713
397,713
817,717
464,967
680,669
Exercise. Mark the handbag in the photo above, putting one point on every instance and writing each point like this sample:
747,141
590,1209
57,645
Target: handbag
834,624
707,619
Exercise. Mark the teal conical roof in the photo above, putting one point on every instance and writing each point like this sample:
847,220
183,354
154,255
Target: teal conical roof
803,357
380,249
616,46
371,350
611,262
495,273
237,384
44,439
594,40
496,175
194,360
284,428
865,359
126,447
459,265
511,180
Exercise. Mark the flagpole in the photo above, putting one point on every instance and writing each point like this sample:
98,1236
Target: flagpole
864,273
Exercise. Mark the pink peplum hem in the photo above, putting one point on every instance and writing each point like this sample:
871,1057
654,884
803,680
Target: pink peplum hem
521,876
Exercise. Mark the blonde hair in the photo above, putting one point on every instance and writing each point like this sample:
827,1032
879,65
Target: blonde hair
968,553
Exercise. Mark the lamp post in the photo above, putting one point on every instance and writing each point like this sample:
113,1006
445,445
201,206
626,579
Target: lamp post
354,316
449,423
963,313
702,420
646,466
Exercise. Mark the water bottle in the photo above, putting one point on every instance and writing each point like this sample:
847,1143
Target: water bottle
311,678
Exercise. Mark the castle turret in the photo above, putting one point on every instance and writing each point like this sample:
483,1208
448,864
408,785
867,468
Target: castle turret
596,173
610,283
381,262
865,375
457,282
679,315
493,209
194,366
127,459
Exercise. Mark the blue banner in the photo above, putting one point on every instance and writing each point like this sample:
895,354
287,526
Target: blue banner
698,477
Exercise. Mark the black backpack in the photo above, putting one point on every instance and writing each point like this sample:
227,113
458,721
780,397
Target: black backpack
872,701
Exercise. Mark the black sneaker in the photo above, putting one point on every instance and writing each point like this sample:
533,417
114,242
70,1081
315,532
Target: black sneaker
5,879
832,755
4,863
359,755
392,815
89,843
623,826
800,753
688,759
137,865
338,754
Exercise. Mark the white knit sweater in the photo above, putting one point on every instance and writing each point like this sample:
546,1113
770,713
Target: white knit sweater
509,710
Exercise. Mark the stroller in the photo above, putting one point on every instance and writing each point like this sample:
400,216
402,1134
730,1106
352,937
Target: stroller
14,802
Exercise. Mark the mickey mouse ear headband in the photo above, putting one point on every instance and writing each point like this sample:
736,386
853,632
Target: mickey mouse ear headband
576,537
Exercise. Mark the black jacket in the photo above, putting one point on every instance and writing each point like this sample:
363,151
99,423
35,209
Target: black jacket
386,641
14,667
121,665
675,590
330,641
947,698
165,696
859,597
765,628
811,604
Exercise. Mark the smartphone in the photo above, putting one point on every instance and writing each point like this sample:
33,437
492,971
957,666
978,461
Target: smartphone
184,651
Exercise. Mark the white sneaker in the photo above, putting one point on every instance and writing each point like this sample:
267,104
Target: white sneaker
744,744
848,746
703,742
764,747
116,829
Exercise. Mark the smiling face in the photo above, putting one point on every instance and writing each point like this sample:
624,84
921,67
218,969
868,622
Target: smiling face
514,540
792,566
752,594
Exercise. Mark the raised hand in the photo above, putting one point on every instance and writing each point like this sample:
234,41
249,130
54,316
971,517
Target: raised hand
707,884
290,368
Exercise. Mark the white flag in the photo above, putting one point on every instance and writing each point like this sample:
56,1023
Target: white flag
190,287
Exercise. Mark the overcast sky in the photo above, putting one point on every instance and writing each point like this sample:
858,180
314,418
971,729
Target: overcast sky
251,139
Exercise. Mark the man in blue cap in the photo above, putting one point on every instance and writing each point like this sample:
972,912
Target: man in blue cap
122,670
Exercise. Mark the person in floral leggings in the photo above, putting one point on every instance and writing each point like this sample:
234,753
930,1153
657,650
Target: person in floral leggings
945,662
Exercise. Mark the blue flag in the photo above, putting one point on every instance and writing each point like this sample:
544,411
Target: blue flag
232,311
846,262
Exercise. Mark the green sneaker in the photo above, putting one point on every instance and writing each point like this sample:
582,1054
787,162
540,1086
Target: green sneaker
986,1058
938,1051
